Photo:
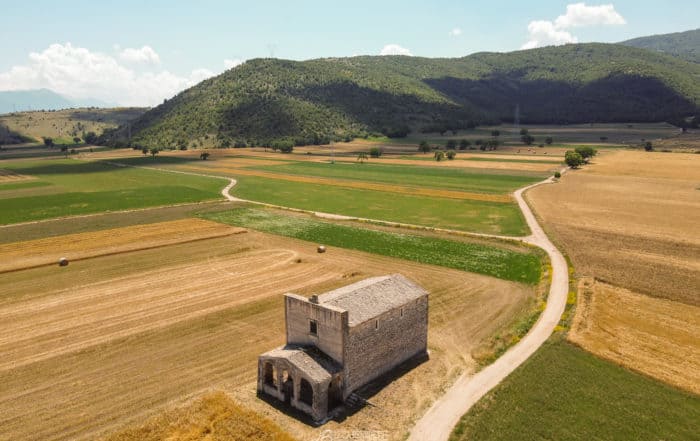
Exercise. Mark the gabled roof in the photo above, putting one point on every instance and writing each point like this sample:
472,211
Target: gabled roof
314,363
372,297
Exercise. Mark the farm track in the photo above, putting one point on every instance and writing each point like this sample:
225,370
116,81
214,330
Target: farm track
437,423
117,315
87,350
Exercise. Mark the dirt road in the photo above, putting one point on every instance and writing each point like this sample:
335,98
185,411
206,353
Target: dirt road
437,423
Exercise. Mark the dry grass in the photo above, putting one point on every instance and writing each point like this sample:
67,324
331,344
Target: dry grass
213,417
113,340
656,337
10,176
631,219
15,256
65,124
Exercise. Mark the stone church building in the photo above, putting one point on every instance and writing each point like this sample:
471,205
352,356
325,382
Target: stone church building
343,339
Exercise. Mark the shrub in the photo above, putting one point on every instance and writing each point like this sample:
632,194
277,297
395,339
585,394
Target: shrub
439,155
375,152
557,175
451,154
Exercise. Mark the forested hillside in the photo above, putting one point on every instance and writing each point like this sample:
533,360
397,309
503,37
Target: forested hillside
685,45
267,100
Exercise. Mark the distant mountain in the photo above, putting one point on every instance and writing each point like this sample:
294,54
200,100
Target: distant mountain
685,45
266,100
41,99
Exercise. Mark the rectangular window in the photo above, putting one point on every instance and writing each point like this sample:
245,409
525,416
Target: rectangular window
376,324
313,327
401,312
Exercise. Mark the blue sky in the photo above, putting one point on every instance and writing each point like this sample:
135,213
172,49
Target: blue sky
189,40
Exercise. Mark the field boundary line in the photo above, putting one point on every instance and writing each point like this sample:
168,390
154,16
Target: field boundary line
126,251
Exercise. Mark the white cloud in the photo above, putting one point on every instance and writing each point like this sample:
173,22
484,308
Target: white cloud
229,64
79,73
394,49
545,32
456,32
145,54
578,14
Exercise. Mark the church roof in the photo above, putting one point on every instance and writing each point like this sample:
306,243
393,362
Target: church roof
372,297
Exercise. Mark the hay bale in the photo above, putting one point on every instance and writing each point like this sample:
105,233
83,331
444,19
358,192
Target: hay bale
62,261
321,249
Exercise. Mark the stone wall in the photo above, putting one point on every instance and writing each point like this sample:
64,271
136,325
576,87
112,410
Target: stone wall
376,346
331,323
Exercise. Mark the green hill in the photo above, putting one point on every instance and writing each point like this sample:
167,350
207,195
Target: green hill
307,102
685,45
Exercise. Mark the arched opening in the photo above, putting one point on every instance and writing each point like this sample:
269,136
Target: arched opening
269,374
306,393
287,386
335,393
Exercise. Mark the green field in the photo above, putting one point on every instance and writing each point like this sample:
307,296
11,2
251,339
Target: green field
466,215
498,262
431,177
564,393
72,187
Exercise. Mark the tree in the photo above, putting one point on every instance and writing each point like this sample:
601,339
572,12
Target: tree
648,146
154,151
451,144
375,152
439,155
362,157
495,133
451,154
424,147
48,142
144,151
573,159
586,152
203,156
90,138
76,140
548,140
527,139
463,144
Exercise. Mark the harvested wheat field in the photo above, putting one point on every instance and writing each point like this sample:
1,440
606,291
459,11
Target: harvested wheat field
656,337
110,341
631,219
80,246
213,417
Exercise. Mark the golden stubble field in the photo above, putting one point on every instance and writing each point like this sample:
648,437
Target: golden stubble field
629,223
112,339
657,337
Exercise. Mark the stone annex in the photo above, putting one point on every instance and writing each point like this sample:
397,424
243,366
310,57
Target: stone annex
343,339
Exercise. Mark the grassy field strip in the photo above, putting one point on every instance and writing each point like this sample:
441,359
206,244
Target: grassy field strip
75,247
449,194
90,187
482,259
564,393
442,178
449,214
